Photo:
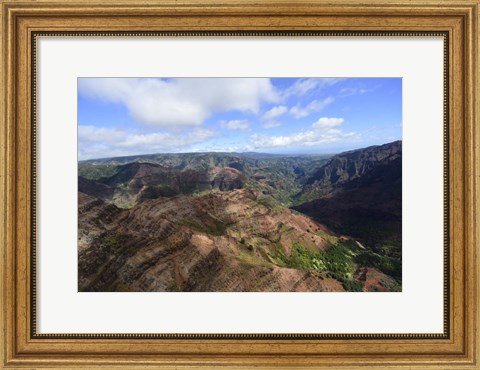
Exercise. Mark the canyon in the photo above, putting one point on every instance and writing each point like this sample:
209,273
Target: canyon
241,222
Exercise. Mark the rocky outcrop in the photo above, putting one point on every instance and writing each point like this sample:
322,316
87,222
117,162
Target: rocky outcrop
226,179
349,166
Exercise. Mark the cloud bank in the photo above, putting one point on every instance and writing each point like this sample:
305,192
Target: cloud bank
98,142
324,131
178,103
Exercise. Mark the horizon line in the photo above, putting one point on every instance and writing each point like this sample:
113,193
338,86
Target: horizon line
226,152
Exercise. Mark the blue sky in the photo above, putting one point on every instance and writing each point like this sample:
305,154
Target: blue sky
129,116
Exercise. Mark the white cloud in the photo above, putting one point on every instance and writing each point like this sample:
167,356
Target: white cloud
181,102
236,124
323,131
304,85
98,142
229,148
270,116
327,122
88,134
312,107
271,124
274,112
348,91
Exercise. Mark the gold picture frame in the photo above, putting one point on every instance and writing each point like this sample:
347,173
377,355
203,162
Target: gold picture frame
24,21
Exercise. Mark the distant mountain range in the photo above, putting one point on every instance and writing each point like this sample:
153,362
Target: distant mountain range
242,222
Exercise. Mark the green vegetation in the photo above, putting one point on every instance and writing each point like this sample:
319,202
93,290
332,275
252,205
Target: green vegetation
387,265
249,259
121,287
328,237
200,193
369,231
96,171
110,242
349,285
209,226
271,203
333,259
338,262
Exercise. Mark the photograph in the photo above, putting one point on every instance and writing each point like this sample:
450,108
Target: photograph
239,184
250,184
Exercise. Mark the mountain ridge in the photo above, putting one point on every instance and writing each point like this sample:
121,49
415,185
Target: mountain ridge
204,222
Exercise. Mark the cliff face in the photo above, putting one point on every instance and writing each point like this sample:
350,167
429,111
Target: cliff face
359,193
345,168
